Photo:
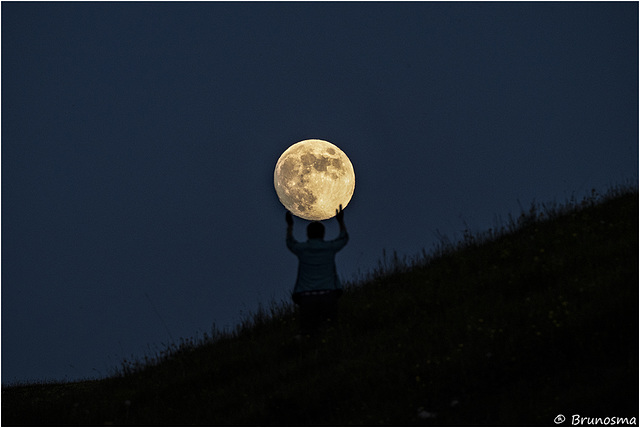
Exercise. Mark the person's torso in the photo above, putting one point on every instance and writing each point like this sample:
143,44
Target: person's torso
316,269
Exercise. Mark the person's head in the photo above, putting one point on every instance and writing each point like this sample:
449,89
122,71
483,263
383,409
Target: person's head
315,230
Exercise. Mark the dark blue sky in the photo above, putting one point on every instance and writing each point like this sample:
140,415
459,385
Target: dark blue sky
139,141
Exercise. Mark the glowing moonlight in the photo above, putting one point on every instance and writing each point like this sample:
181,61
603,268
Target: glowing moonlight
313,178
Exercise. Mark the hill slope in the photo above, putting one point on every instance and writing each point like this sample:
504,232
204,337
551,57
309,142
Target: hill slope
512,328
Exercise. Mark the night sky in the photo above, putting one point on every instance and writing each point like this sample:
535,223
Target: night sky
139,142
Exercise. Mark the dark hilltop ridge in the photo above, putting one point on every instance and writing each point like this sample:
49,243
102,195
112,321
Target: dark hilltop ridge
509,327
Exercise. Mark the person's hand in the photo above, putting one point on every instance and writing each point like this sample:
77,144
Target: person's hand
289,218
340,215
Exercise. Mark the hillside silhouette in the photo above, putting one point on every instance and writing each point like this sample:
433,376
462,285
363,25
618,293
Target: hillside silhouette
507,327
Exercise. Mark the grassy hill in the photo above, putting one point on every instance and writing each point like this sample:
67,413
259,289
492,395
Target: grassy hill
509,327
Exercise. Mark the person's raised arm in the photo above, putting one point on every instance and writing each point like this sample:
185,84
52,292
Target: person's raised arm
289,218
340,218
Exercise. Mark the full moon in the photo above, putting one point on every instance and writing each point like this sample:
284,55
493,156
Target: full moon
313,178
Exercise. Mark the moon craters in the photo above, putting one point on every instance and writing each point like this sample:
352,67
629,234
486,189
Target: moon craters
312,178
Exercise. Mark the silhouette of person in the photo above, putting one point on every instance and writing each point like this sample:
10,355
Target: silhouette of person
318,287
